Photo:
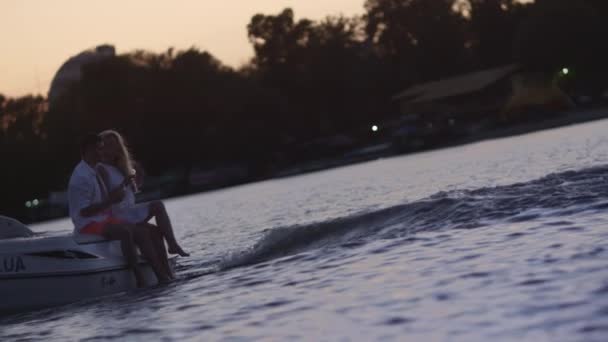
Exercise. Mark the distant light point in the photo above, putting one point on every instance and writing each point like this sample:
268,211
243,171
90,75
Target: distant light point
565,71
374,128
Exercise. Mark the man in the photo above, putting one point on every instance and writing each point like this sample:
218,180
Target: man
90,204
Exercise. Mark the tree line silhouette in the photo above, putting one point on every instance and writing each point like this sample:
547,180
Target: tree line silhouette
307,80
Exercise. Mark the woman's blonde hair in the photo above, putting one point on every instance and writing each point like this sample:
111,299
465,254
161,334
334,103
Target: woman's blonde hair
124,161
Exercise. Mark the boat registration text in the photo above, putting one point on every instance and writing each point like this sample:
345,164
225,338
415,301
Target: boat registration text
12,264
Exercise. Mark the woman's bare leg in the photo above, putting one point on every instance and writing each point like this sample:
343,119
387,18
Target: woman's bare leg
158,211
159,246
142,238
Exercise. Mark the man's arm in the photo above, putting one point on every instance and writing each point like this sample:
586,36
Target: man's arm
95,208
113,197
80,195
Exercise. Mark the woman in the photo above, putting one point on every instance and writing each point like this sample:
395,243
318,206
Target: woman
117,170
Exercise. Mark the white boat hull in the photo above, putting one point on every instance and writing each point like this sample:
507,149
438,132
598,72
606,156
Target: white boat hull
31,293
40,272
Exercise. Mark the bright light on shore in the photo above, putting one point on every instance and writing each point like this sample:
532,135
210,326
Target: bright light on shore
374,128
565,71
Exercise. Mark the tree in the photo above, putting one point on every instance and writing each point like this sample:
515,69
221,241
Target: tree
22,150
327,71
421,39
559,33
277,38
493,24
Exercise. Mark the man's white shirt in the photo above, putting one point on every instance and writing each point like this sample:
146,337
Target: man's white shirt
84,190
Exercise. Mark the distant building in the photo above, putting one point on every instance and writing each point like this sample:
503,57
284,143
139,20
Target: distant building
497,92
71,71
479,92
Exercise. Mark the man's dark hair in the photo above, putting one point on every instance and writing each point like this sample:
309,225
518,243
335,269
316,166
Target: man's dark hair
88,141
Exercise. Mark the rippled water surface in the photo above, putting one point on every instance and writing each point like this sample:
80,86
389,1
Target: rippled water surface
502,240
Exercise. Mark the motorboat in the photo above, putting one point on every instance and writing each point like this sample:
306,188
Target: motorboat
38,271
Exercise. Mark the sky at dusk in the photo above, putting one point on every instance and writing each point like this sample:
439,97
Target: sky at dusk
39,35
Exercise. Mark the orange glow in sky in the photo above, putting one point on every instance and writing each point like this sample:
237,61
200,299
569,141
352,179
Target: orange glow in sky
37,36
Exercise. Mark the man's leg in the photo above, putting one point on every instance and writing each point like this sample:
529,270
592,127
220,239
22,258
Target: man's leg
123,234
141,236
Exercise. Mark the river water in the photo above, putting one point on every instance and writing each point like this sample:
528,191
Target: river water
504,239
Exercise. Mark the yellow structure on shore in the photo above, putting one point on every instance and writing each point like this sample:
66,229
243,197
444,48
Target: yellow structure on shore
535,91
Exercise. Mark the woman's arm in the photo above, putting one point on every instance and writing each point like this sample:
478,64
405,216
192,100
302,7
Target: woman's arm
113,195
105,177
139,174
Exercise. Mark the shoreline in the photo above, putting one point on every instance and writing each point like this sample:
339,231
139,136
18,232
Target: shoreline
563,120
382,149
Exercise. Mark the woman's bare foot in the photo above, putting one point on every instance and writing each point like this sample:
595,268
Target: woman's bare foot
176,249
164,281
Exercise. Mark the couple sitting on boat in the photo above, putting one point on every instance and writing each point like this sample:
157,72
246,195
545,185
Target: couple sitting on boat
101,196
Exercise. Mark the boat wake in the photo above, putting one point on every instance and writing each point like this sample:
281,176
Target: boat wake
555,195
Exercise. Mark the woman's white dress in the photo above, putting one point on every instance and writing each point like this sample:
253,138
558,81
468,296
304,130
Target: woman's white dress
127,209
